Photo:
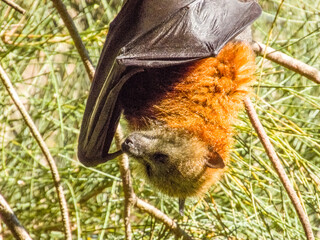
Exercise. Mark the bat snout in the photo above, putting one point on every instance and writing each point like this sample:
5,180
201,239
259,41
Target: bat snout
127,145
135,145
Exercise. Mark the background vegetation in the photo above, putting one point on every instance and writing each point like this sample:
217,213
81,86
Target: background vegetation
250,202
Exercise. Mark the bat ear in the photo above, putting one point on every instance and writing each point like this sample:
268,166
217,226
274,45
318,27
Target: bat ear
214,160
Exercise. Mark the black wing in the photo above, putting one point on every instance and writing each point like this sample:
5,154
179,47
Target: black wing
178,32
198,30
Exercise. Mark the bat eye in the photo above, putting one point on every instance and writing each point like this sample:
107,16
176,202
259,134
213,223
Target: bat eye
160,157
148,169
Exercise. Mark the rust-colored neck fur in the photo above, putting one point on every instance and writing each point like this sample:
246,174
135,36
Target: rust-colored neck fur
202,98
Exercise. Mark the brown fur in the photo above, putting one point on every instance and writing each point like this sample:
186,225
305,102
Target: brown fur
201,99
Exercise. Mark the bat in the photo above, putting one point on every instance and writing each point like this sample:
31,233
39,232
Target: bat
150,34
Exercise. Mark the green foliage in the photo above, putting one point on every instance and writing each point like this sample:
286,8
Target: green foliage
250,202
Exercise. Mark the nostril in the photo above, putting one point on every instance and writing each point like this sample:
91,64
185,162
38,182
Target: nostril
128,141
126,145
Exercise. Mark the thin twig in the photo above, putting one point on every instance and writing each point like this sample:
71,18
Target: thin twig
287,61
279,168
62,10
127,184
14,6
35,133
12,222
156,213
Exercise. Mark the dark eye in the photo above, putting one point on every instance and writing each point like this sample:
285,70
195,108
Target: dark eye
160,157
148,169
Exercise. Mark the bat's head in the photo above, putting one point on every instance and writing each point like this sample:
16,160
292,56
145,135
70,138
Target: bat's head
174,161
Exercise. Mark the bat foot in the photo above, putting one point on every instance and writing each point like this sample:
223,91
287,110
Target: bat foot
181,206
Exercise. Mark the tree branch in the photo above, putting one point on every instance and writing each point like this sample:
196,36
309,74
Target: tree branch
35,133
10,219
287,61
14,6
279,168
127,184
62,10
156,213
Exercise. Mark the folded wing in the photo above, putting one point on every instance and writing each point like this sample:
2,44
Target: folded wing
191,30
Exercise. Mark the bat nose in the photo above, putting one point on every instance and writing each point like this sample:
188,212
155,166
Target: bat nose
128,141
127,145
136,144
